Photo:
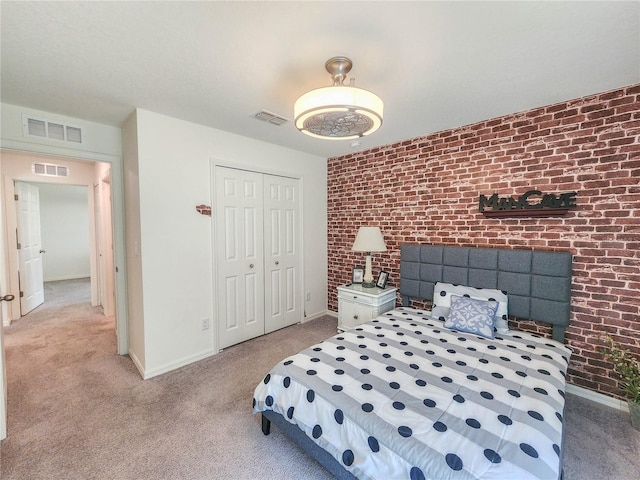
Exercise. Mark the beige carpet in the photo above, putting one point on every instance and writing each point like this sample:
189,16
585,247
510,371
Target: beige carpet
79,411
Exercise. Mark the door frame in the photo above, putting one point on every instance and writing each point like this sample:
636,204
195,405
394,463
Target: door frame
9,218
213,164
119,263
105,294
117,223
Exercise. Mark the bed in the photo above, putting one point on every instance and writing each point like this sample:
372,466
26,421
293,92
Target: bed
404,396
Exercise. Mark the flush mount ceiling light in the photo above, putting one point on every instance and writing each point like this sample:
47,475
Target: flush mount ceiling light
338,112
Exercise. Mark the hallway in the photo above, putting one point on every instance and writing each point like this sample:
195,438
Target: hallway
60,345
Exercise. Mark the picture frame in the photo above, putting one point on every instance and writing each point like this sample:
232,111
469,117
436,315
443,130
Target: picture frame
382,279
357,275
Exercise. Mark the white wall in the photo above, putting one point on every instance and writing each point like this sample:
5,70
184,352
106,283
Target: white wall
103,237
64,227
166,175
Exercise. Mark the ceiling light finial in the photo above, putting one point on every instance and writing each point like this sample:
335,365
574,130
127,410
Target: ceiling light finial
339,112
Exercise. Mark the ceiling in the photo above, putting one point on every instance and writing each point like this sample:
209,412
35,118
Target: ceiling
436,65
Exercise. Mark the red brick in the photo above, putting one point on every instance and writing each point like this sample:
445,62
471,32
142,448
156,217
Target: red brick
426,189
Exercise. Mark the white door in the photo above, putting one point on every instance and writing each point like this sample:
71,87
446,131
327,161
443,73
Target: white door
282,238
29,247
104,245
106,232
240,255
97,245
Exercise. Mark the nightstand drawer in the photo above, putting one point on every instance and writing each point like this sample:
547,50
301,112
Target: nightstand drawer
357,304
355,297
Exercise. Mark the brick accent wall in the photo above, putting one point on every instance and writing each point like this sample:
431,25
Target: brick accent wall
426,190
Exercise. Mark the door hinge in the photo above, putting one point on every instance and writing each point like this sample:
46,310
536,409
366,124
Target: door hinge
19,246
15,197
21,294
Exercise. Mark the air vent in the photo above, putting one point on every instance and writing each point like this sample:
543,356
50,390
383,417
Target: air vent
50,170
40,127
270,118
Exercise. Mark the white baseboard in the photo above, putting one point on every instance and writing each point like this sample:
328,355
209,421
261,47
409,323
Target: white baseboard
154,372
66,277
136,362
597,397
318,315
313,316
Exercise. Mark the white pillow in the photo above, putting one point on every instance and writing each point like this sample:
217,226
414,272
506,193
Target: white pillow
472,316
442,293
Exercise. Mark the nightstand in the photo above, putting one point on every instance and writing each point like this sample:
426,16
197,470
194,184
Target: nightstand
357,304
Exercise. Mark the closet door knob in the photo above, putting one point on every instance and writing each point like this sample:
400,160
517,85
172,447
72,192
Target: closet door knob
251,265
277,262
7,298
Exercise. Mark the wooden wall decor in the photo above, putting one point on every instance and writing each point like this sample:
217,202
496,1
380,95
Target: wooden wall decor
533,203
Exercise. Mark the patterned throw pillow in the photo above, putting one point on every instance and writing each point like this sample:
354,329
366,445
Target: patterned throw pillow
472,316
442,293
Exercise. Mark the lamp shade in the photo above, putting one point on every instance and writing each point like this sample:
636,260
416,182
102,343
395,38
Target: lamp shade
369,239
339,112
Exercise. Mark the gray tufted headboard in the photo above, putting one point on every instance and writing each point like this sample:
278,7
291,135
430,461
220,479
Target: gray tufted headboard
538,283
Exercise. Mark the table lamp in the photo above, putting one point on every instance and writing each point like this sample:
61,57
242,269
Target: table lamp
369,239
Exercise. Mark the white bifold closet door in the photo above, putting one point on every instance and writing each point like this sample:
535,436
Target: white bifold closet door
282,236
258,259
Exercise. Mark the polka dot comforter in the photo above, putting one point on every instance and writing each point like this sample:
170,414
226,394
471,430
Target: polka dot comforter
402,397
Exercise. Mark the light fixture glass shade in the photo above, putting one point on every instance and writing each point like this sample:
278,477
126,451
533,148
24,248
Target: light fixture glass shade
338,112
369,239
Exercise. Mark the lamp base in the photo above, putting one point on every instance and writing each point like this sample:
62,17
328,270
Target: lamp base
368,285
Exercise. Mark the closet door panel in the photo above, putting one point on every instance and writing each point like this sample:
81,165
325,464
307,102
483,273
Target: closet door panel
283,260
240,255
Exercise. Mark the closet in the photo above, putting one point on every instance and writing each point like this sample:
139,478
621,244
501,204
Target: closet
258,253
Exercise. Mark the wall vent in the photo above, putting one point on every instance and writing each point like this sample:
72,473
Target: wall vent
43,128
269,117
50,170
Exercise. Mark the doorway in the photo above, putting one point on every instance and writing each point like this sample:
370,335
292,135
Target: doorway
85,186
100,176
63,245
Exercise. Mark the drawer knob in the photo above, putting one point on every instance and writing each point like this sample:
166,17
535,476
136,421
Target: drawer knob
355,296
355,317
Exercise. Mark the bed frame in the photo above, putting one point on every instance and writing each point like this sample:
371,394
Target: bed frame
538,284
